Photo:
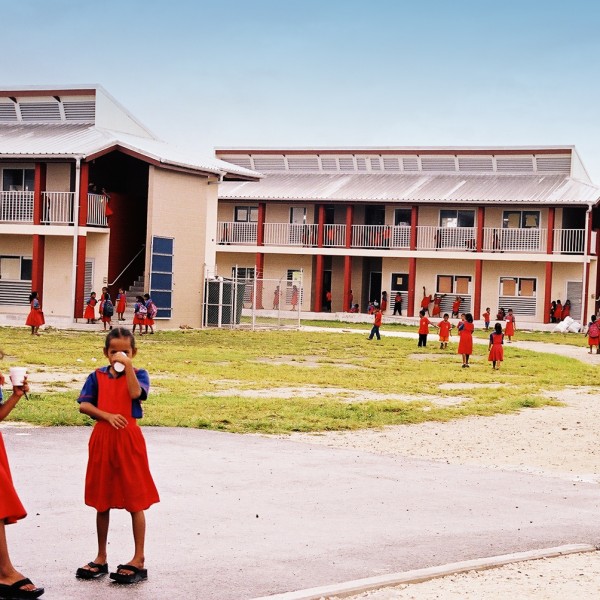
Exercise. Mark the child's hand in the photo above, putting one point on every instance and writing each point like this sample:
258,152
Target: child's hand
20,390
124,359
117,421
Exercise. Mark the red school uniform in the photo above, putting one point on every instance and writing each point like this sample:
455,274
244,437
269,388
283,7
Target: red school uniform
11,509
465,343
89,313
456,306
118,474
424,324
444,327
35,318
437,308
510,325
486,316
121,303
497,349
377,318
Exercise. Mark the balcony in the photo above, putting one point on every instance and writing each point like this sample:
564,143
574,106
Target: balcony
397,237
57,208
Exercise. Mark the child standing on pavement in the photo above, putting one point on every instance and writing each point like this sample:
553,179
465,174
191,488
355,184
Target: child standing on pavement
424,324
90,309
118,474
444,328
377,317
121,304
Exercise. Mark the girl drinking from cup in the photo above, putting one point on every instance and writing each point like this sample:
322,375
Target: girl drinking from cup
112,395
12,583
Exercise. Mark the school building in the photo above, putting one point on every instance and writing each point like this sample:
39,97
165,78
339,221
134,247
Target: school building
89,197
509,227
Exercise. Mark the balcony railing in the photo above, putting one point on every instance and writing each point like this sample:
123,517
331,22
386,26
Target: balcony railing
57,208
495,239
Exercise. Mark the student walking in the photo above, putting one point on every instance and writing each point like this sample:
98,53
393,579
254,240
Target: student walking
511,325
90,309
151,311
593,334
377,318
444,327
13,584
118,474
139,313
107,310
465,343
424,324
496,348
121,304
35,318
397,304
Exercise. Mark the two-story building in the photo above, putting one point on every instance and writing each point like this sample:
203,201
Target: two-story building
89,197
499,227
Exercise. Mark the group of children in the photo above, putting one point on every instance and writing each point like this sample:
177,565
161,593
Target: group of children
118,474
144,310
558,311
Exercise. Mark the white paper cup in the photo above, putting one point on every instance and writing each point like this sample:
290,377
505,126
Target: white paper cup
17,375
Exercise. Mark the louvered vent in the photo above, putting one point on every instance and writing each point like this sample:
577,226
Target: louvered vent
328,163
476,164
361,164
8,113
438,163
40,111
516,164
303,163
240,161
269,163
80,111
553,164
346,163
391,164
410,163
376,164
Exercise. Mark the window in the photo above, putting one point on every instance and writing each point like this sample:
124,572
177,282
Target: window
402,216
18,180
524,287
15,268
457,218
246,214
161,276
298,214
521,219
242,272
453,284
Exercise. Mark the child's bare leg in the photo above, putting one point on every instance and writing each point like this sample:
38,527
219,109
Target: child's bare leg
102,522
138,523
8,574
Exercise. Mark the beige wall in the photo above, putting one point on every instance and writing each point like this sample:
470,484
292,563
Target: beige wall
178,208
58,281
58,177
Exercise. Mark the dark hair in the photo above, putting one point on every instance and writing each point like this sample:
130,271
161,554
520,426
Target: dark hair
498,328
422,313
592,319
106,296
446,315
147,296
32,296
119,332
469,317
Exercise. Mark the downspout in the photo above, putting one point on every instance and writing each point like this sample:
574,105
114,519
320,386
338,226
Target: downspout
75,234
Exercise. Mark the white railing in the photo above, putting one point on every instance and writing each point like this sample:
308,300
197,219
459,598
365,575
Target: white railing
16,207
569,241
334,236
97,210
496,239
446,238
230,232
371,236
57,208
401,236
290,234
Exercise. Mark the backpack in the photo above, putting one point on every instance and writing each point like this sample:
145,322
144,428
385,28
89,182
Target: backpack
593,330
108,308
152,310
142,311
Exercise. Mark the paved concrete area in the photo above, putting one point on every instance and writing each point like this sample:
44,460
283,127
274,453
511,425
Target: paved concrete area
243,516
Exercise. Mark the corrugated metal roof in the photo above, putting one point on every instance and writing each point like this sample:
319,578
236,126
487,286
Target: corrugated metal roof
71,141
422,188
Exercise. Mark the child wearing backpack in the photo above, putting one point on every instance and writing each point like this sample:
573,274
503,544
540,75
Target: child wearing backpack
593,333
139,314
108,310
150,313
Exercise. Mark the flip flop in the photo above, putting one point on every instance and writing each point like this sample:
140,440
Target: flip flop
136,575
15,592
83,573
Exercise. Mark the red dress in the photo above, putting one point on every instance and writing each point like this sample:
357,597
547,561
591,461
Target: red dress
121,303
465,343
36,316
437,309
89,313
11,509
510,325
118,474
497,349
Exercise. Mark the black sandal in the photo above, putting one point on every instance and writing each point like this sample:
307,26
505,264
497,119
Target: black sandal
83,573
135,576
14,591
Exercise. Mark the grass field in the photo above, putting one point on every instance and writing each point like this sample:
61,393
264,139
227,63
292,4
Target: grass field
284,381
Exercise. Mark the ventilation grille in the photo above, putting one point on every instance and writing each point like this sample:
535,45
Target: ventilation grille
303,163
8,113
40,111
375,164
476,164
553,164
269,163
240,161
80,111
391,165
410,163
361,164
525,307
438,163
346,163
515,164
328,163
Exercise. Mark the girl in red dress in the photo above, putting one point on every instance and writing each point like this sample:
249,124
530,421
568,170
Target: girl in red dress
465,342
12,583
35,319
496,349
437,305
139,313
510,325
112,395
90,309
121,304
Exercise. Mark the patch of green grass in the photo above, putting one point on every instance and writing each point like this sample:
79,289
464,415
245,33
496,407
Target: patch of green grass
202,379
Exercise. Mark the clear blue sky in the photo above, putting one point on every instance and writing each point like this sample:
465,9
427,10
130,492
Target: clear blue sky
326,72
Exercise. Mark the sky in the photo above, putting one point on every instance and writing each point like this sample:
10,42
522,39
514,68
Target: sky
346,73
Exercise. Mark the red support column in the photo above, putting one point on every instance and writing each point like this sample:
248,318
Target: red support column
321,226
414,221
260,226
348,260
478,282
84,179
586,291
39,186
80,277
349,222
260,269
39,241
480,226
412,278
547,292
319,268
550,234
